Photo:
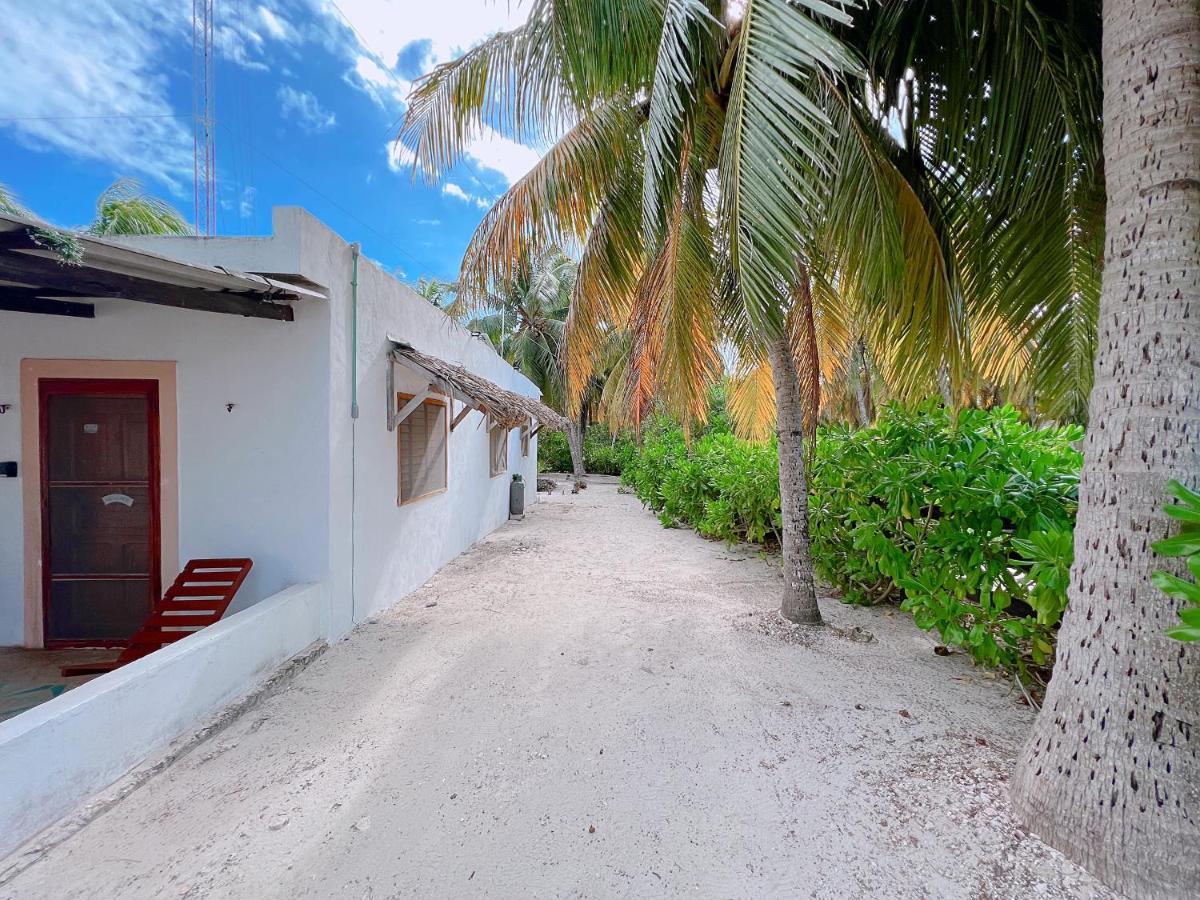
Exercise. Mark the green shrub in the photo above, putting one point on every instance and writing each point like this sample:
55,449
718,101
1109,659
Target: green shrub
602,453
1185,544
723,487
965,521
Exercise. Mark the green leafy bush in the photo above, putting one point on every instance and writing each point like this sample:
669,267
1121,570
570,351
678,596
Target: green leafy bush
723,487
602,453
1186,543
965,521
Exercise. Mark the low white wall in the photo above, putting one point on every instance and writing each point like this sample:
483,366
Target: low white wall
59,754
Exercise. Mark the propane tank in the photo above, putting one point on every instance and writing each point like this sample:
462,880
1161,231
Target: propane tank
516,497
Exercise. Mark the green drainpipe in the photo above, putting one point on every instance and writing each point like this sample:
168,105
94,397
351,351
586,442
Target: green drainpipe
355,249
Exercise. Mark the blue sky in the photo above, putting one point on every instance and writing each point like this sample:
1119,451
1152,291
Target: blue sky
308,97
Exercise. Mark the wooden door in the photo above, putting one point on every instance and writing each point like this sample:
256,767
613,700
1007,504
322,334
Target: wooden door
100,509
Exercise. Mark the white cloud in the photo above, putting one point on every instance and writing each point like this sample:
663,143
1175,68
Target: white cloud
246,204
243,46
310,116
451,26
276,26
66,62
492,150
381,30
450,189
242,38
386,88
432,223
399,157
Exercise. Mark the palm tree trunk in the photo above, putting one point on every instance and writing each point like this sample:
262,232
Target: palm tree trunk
1111,772
945,386
799,587
575,433
862,384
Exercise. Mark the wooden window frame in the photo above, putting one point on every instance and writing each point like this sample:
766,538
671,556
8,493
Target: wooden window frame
438,400
492,428
526,439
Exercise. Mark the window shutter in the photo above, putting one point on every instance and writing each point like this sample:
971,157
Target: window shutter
422,450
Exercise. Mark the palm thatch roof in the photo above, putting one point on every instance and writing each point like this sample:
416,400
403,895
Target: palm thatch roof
506,408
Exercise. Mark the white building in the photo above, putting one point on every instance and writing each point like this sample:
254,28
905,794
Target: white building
174,407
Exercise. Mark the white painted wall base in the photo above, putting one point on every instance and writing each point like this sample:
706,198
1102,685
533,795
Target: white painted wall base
59,754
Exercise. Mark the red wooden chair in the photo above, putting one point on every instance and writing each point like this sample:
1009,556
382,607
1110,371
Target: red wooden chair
199,597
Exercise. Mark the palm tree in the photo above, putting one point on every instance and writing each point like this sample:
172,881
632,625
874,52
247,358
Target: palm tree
125,209
122,209
524,319
1111,772
439,293
728,176
629,183
10,205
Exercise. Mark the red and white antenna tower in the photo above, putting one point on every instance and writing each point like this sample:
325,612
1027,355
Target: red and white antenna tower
204,123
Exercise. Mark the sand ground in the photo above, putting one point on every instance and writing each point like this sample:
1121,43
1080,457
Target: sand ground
595,707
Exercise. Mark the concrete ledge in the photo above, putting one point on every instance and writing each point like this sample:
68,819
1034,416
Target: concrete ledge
61,753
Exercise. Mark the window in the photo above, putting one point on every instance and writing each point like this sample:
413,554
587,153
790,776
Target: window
422,439
525,440
498,447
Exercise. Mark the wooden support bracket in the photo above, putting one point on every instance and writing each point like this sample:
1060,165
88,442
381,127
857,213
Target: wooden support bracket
410,407
462,414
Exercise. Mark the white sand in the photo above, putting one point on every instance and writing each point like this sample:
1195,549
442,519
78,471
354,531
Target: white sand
588,668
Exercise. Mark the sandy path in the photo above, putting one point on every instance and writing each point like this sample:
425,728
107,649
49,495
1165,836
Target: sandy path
586,667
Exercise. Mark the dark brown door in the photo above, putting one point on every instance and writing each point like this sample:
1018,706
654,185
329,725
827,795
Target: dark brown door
99,509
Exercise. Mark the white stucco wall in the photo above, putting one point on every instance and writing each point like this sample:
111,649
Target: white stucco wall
242,474
60,753
378,551
287,477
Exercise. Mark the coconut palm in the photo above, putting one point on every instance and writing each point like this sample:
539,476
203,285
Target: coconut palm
629,183
727,174
125,209
122,209
1111,772
524,319
10,205
439,293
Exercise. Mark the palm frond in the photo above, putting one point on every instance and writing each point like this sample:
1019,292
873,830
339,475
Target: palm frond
688,54
777,155
674,321
751,402
610,268
555,203
513,81
124,208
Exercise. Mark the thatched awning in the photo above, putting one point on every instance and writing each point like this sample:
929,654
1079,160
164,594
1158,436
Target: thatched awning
505,408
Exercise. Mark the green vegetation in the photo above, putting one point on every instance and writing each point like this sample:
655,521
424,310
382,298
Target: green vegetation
1186,544
964,521
603,454
124,208
956,517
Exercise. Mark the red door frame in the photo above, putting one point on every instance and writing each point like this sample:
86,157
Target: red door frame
126,387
